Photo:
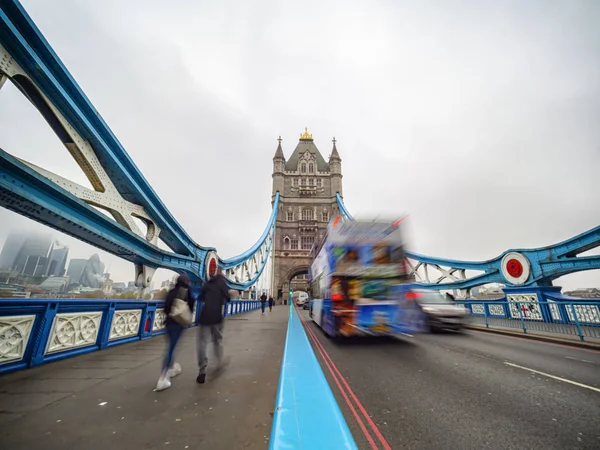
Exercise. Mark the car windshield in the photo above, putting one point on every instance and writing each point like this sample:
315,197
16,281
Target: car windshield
432,298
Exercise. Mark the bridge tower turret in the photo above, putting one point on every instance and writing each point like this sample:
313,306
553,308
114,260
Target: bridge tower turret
278,170
335,167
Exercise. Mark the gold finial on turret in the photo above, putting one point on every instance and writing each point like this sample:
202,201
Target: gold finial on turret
306,135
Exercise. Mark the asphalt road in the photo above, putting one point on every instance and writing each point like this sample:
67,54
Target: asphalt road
465,391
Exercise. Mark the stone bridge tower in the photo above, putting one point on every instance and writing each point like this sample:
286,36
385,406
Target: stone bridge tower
307,186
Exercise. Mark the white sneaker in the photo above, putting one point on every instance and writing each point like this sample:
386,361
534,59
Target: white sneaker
163,383
174,371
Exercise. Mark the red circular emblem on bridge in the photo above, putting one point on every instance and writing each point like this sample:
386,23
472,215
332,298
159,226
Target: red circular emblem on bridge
212,267
514,268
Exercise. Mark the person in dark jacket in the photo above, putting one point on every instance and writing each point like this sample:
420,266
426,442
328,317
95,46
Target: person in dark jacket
263,302
174,330
271,302
213,296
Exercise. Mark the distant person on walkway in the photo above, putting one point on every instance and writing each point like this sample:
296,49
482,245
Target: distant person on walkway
174,330
263,302
271,303
214,296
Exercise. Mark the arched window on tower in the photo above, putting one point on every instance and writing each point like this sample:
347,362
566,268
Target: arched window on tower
286,243
307,214
325,216
303,168
319,182
311,168
289,216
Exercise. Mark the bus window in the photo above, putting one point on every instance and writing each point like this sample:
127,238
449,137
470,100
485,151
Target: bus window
352,255
398,255
375,289
380,254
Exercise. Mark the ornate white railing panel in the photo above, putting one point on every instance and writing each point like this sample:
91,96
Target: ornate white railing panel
73,330
125,323
160,320
14,336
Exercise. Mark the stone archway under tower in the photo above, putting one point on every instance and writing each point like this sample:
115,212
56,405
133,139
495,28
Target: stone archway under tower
294,284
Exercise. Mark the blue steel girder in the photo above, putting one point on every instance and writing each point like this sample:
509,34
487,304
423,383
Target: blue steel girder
28,193
343,211
243,270
46,74
31,64
540,265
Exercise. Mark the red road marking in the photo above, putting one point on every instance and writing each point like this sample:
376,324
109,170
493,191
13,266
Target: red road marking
352,409
536,341
328,361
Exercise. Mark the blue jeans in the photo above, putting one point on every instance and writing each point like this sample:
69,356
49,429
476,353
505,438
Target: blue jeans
174,331
262,306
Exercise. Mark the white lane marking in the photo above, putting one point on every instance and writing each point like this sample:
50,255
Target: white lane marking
577,359
553,376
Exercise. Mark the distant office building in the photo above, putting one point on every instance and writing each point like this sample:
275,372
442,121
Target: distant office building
75,270
118,287
92,272
13,291
131,286
55,284
35,266
57,260
33,246
11,249
584,293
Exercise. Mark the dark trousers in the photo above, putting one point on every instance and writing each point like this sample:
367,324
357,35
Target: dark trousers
174,331
262,306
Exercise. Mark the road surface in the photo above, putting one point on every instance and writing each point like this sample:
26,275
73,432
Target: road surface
465,391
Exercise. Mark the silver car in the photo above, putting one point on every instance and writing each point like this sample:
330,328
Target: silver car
442,312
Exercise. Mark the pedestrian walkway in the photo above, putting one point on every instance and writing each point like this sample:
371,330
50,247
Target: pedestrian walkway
105,399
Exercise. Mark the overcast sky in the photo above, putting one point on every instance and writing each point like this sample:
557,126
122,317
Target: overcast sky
480,119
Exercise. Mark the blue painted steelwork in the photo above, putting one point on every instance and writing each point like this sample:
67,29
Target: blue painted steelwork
46,310
547,263
258,254
307,415
554,314
26,192
27,46
343,211
47,83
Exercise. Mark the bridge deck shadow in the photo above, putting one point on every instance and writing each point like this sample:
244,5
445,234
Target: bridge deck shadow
107,399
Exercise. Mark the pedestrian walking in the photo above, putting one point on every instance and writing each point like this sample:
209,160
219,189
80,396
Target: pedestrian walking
214,296
271,303
263,302
178,299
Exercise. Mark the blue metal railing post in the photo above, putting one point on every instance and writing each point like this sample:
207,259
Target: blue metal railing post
519,304
485,312
147,324
105,325
43,334
577,322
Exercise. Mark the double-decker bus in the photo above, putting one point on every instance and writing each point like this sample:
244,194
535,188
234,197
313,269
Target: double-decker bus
360,281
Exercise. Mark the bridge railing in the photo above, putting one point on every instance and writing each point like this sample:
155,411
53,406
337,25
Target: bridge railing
36,331
575,318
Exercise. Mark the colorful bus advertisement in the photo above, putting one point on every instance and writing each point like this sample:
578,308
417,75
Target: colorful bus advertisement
359,276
